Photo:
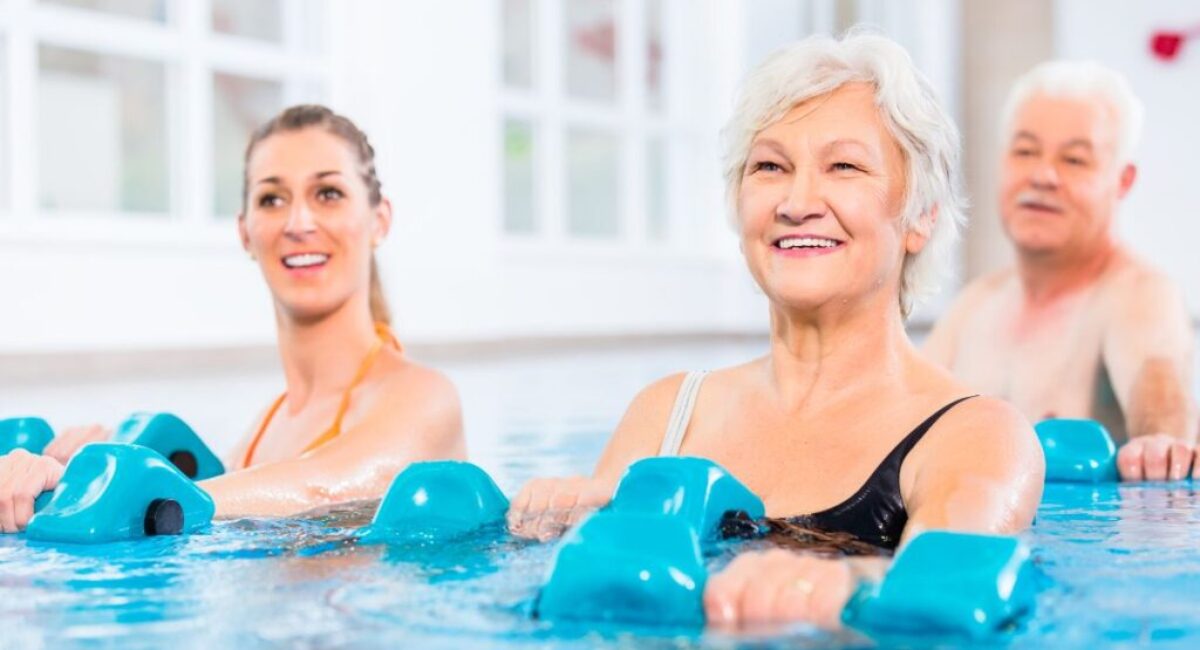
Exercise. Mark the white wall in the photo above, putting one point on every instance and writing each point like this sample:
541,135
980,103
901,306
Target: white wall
1161,216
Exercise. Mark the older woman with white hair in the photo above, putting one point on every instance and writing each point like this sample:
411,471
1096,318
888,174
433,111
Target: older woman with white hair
842,173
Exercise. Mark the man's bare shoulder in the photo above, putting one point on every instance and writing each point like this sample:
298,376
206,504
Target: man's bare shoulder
983,289
1132,277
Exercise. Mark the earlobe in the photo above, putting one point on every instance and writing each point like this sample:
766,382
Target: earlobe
916,238
383,221
1128,176
243,235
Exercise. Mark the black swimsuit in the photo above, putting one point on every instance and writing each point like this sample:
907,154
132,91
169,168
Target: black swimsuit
875,514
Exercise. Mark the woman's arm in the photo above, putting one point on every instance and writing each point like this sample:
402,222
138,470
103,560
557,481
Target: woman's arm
979,470
422,422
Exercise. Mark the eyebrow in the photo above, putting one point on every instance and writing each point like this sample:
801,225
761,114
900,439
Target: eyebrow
275,180
1073,142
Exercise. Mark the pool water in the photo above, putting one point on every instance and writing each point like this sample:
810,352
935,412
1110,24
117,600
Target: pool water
1119,566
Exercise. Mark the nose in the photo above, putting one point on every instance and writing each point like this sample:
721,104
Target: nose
803,200
300,221
1044,176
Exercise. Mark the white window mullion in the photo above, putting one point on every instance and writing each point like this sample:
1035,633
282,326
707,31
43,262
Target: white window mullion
22,111
550,132
631,91
194,180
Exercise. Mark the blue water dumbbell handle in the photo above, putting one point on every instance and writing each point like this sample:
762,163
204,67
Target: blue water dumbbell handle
1077,451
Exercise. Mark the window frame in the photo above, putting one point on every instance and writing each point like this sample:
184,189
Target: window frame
553,114
191,53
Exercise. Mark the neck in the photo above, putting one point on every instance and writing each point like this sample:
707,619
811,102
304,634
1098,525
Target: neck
820,358
321,356
1045,277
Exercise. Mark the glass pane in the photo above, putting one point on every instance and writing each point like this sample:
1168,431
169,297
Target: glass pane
518,43
155,10
592,183
258,19
519,214
591,35
654,53
240,105
112,155
656,190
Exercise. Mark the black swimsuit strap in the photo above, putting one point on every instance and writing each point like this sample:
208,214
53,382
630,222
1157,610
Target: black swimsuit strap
900,452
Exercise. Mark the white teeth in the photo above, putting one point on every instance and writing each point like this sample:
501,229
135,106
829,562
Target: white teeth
806,242
304,260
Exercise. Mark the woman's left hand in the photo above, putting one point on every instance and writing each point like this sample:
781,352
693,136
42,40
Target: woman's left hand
779,586
69,440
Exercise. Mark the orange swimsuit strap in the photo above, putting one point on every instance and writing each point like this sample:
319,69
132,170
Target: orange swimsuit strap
385,336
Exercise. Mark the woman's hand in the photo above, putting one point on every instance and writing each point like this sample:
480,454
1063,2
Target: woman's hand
65,444
24,476
546,507
779,586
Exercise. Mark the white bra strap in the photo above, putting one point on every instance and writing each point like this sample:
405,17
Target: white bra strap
681,414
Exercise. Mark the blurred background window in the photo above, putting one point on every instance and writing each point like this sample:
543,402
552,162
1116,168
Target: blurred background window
121,108
153,10
240,105
602,114
257,19
102,133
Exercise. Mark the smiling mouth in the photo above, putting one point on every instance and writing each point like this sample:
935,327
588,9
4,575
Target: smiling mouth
305,260
806,243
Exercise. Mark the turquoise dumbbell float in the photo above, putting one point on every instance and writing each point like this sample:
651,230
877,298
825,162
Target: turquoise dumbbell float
116,491
1077,451
162,432
641,561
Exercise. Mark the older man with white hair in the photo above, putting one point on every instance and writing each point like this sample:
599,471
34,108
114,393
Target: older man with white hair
1079,327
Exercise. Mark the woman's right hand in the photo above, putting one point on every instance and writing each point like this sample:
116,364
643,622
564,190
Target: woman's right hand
23,477
69,440
546,507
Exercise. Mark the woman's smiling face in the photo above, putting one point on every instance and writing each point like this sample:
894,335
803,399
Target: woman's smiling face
820,203
309,221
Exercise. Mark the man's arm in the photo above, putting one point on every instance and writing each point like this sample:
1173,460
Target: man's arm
1147,351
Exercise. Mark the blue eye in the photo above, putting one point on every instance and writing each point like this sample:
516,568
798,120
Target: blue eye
844,166
766,166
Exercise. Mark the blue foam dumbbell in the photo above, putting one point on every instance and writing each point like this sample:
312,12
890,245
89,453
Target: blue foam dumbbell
1077,451
696,490
437,500
114,491
629,568
30,434
174,439
948,583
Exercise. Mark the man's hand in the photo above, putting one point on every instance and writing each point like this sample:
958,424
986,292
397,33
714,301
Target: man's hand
1155,457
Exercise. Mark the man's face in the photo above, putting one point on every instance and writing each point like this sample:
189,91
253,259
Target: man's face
1061,180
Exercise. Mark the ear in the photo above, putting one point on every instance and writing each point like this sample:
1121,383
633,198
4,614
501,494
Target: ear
917,236
383,221
242,233
1128,176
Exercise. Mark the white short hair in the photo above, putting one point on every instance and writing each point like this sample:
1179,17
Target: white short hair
1083,80
927,136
